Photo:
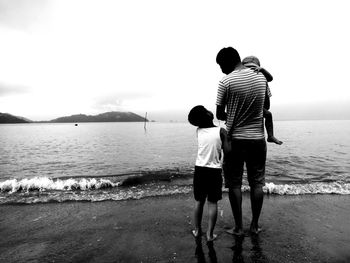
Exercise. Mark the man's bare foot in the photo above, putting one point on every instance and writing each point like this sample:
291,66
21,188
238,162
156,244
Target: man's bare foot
235,232
274,140
255,230
211,238
196,233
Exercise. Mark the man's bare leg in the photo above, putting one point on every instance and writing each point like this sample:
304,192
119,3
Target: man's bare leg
256,199
235,196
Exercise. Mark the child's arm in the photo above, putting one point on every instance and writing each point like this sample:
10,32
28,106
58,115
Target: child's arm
267,74
226,143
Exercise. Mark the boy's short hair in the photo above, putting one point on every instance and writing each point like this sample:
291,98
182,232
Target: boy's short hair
228,55
251,61
195,116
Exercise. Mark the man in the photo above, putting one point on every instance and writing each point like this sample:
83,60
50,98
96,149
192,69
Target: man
242,93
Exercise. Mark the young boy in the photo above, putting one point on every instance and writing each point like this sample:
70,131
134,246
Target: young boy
254,63
207,180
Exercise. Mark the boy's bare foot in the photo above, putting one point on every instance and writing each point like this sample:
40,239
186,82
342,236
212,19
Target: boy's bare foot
274,140
211,238
196,233
235,232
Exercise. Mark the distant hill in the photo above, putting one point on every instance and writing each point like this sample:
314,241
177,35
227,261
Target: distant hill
113,116
8,118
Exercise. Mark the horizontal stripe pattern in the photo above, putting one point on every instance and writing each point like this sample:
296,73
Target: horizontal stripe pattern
242,92
268,91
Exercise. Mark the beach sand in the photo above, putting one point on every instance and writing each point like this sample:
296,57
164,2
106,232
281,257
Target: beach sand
308,228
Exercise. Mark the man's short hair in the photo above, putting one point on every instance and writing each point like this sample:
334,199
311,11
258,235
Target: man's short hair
227,56
195,115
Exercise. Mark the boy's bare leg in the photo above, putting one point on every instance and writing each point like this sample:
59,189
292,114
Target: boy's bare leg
256,199
235,196
212,213
269,128
198,213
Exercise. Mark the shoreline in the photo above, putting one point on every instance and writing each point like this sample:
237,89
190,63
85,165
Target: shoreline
305,228
46,190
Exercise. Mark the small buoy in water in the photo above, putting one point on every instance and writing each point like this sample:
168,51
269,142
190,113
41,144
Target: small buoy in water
76,124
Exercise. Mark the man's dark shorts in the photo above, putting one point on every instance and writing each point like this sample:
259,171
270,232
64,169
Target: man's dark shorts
207,183
253,154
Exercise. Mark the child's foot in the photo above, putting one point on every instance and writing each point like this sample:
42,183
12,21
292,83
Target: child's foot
235,232
211,238
196,233
274,140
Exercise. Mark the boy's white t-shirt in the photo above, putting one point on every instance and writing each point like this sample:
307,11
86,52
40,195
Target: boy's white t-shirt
209,147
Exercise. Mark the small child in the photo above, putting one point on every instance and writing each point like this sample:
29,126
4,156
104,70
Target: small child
254,63
207,180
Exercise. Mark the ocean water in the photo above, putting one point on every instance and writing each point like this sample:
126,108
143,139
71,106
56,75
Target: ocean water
118,161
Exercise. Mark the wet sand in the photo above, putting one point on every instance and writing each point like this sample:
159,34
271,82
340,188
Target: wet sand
310,228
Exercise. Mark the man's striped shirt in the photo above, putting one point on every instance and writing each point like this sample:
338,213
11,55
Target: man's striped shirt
242,92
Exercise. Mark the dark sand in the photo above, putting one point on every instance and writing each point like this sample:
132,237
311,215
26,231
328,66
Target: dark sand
311,228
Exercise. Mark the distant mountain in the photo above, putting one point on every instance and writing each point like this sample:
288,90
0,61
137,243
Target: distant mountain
113,116
8,118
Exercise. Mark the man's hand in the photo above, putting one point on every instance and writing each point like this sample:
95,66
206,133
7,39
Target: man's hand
220,113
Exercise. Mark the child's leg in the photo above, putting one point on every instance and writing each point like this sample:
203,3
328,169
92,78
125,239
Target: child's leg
198,213
269,127
212,216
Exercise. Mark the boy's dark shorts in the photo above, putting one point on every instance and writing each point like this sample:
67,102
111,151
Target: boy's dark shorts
253,154
207,183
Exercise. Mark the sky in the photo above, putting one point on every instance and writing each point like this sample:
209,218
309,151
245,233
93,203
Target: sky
64,57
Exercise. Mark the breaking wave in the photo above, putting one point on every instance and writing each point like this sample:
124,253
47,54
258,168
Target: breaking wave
46,190
312,188
44,183
84,184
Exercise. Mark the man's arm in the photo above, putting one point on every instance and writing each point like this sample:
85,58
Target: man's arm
221,102
226,144
220,113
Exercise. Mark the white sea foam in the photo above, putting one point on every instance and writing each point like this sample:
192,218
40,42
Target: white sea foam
44,183
312,188
24,191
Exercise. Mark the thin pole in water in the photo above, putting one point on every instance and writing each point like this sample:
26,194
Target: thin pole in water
144,126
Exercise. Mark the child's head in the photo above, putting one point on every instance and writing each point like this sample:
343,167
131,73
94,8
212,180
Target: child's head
200,116
251,62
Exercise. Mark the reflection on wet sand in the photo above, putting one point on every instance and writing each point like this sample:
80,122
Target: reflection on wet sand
237,249
212,253
199,253
256,252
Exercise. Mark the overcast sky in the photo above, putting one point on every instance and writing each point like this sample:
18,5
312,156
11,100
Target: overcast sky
62,57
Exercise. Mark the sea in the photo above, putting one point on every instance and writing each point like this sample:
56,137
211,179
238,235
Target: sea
59,162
